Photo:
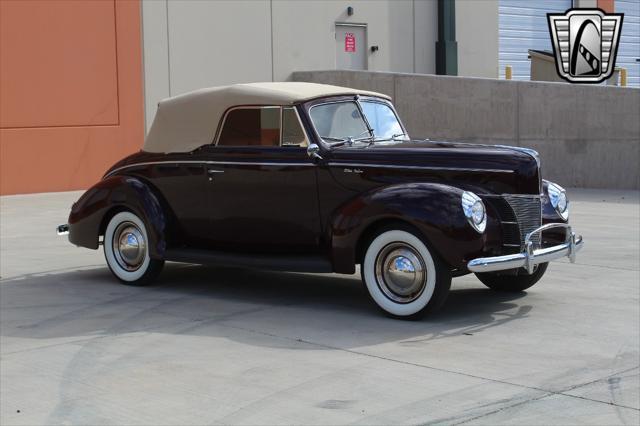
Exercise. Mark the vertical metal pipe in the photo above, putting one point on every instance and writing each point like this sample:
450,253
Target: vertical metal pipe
446,46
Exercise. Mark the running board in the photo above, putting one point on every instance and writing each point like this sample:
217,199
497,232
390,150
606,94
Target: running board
291,263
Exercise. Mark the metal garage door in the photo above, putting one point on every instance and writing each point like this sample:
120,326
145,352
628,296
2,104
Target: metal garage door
523,26
629,49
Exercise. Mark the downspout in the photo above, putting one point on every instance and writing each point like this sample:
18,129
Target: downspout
446,46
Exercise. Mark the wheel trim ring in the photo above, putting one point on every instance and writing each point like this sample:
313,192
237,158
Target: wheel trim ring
122,232
384,258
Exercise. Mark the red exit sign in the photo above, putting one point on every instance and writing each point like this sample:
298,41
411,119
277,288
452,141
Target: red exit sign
349,42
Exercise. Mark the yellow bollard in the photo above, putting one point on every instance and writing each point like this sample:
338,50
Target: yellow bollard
508,72
623,77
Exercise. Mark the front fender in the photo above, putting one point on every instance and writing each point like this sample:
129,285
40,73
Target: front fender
89,213
433,209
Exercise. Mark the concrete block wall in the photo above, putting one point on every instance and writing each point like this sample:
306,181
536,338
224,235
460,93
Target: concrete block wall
587,136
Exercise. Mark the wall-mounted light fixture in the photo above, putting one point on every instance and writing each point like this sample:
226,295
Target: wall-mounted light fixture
350,11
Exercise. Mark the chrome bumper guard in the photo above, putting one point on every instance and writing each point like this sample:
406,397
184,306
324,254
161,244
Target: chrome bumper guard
531,257
63,229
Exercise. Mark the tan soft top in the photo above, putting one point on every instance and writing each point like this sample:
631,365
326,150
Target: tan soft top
186,122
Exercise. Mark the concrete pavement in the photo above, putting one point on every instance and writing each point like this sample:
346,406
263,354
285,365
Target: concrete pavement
223,346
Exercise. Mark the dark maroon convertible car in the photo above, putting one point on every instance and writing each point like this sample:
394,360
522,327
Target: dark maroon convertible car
316,178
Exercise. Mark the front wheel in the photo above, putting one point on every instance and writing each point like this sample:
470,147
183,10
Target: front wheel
402,275
512,283
126,249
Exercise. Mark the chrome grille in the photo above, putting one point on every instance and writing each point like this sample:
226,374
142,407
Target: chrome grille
528,213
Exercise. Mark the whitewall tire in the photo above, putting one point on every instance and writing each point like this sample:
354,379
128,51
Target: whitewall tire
126,249
403,277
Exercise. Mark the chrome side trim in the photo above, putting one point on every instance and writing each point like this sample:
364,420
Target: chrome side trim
530,257
220,163
392,166
254,163
334,164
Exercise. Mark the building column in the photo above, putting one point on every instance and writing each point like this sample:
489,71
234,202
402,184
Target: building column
446,46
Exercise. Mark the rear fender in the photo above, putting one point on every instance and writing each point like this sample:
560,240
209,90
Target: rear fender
433,209
118,193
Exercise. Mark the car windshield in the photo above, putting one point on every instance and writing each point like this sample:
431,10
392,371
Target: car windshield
341,122
382,120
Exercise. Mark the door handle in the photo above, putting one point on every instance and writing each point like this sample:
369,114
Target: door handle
211,172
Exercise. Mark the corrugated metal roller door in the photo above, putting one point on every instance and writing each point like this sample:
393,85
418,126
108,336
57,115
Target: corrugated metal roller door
523,26
629,49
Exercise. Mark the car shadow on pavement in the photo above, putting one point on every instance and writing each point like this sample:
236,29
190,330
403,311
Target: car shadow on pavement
201,300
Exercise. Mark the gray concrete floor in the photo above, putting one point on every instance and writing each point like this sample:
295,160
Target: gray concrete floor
221,346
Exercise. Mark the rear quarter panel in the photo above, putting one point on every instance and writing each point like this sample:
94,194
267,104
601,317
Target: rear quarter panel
117,193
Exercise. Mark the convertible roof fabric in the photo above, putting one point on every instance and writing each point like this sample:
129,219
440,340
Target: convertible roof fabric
189,121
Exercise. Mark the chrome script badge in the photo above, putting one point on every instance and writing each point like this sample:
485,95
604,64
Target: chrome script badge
585,43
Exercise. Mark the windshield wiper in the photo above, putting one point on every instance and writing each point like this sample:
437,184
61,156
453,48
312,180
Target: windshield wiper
381,139
347,140
330,138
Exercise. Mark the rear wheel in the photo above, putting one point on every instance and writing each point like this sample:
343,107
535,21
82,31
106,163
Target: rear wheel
126,250
403,277
513,282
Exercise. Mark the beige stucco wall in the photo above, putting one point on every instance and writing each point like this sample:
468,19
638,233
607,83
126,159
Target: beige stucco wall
189,44
477,36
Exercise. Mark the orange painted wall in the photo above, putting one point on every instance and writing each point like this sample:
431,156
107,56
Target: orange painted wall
71,100
607,5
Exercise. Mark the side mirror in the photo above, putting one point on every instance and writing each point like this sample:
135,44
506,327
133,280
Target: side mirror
313,152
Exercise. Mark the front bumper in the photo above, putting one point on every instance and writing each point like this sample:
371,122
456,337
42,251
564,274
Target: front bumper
531,257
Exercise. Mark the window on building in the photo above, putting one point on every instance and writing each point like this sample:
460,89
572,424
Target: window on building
251,127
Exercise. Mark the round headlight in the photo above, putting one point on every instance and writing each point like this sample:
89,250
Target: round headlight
558,199
474,211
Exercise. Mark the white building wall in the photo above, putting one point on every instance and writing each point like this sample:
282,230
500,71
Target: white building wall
477,37
303,36
155,55
218,42
189,44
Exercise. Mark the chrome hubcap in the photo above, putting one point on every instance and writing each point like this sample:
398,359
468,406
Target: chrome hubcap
400,272
129,247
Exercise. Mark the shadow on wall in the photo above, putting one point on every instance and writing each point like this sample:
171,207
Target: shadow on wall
205,301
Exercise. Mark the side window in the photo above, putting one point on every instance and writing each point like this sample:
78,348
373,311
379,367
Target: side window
251,127
292,133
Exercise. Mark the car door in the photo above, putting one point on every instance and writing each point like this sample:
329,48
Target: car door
262,192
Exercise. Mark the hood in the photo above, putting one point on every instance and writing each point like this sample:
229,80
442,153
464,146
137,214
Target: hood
484,168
